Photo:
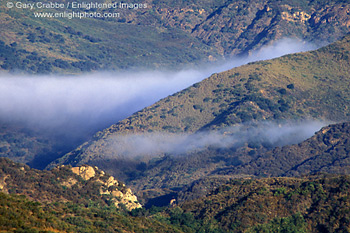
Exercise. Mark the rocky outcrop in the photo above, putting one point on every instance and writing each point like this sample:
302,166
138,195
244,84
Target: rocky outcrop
85,172
79,185
120,195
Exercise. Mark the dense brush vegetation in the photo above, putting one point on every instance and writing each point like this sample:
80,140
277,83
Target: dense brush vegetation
310,204
307,204
50,186
18,214
168,35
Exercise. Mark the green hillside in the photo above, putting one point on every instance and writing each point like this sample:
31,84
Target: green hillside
293,87
48,201
201,152
18,214
309,204
79,185
162,35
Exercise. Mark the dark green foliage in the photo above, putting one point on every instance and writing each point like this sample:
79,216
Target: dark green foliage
293,224
240,205
85,65
198,107
282,91
79,208
31,37
17,214
15,60
290,86
61,64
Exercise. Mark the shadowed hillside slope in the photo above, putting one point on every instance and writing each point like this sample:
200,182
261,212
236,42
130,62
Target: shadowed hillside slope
308,204
327,151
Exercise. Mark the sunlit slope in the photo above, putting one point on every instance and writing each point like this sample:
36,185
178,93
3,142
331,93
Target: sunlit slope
311,84
66,199
163,35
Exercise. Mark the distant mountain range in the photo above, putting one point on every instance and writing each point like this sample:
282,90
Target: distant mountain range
163,35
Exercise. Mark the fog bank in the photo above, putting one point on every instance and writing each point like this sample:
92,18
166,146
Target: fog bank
83,104
266,133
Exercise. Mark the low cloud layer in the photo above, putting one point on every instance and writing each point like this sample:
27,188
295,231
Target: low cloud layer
274,50
266,133
86,103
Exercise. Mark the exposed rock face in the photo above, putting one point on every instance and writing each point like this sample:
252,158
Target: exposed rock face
86,172
121,196
3,184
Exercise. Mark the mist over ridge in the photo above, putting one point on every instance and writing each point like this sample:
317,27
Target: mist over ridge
266,133
92,101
